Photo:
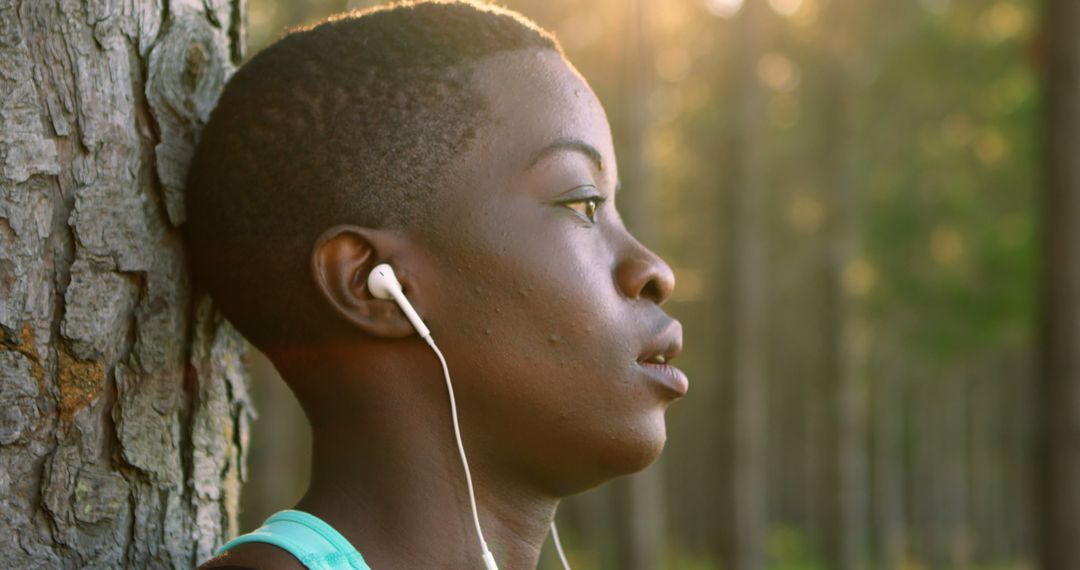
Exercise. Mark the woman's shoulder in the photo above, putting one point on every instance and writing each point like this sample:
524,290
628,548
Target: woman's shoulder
254,556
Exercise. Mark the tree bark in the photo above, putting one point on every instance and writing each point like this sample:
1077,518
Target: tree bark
125,412
1059,480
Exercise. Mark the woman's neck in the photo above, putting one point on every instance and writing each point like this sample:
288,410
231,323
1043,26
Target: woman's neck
402,501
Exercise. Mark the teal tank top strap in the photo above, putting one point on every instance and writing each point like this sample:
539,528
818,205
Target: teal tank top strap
313,542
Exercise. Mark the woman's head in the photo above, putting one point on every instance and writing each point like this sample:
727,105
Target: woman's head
356,120
501,224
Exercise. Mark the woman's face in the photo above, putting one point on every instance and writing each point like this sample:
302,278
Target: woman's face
544,315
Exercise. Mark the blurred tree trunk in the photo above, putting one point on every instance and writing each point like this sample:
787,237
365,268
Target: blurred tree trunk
952,466
125,408
640,515
1015,438
1059,480
747,298
845,331
889,409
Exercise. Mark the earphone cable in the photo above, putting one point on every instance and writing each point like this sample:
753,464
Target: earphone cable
558,546
489,560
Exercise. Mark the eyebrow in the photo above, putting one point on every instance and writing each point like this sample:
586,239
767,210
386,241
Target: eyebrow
568,143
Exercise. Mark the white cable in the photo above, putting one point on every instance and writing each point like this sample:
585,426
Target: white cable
558,546
489,560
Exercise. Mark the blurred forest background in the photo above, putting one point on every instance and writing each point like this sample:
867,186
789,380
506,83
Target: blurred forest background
849,193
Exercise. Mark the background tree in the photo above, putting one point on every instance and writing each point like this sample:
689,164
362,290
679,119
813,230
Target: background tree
746,295
844,377
1060,348
125,412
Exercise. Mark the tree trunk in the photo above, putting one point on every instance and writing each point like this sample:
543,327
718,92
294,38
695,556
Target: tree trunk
846,332
125,409
747,298
887,419
1059,481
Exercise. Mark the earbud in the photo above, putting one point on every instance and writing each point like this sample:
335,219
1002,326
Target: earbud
383,284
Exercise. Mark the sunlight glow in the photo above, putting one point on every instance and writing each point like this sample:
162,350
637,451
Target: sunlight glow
672,18
991,147
778,72
581,29
1004,21
724,8
858,277
673,63
661,145
805,14
786,8
946,245
805,212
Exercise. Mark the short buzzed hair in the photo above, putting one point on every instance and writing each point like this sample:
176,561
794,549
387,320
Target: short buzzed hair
349,121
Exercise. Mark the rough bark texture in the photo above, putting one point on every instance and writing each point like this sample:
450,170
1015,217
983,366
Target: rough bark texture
1059,482
124,411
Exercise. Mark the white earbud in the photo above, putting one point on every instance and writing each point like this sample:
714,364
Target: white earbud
383,284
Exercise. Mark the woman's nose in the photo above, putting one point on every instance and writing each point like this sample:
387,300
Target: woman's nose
643,274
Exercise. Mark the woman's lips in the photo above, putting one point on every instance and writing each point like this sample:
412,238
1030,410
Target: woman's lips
673,380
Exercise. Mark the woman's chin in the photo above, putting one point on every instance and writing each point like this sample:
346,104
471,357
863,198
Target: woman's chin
618,451
633,448
646,447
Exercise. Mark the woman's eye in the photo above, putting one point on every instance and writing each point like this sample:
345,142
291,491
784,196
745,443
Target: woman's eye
586,206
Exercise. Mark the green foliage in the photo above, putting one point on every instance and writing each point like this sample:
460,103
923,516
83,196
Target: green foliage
788,548
950,211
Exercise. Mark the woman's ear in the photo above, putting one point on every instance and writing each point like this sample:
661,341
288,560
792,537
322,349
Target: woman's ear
340,262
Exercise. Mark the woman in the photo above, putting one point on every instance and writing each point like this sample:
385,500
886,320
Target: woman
453,141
